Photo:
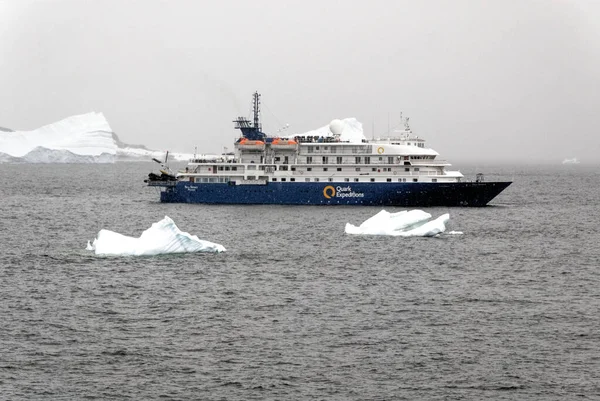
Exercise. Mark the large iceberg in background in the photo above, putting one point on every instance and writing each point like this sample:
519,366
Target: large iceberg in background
83,138
163,237
348,130
414,223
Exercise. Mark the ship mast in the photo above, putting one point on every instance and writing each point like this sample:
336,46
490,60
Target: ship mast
256,109
252,130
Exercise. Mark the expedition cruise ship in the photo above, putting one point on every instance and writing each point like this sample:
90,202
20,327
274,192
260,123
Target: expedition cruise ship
323,170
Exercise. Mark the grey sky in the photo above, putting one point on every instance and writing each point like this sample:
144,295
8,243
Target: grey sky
481,80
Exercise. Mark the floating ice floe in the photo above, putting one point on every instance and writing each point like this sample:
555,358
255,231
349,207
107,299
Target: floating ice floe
163,237
413,223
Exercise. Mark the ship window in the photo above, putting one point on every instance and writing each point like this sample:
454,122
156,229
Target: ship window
406,169
310,149
358,160
251,167
356,180
367,160
274,179
339,169
292,179
293,168
220,168
347,179
325,160
330,179
277,159
227,168
283,168
434,180
338,159
416,169
333,149
212,179
283,179
391,160
399,179
415,180
324,168
234,169
309,169
308,159
389,180
325,148
316,148
380,158
372,179
358,169
316,179
373,169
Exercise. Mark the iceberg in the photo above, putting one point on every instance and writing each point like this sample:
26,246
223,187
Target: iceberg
85,138
161,238
413,223
348,129
570,161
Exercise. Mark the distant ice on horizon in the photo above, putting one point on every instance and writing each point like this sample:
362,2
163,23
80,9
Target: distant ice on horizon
163,237
571,161
413,223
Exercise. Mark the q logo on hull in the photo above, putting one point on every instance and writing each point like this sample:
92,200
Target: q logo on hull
329,192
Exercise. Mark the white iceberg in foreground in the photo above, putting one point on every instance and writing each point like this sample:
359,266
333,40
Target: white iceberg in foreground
414,223
163,237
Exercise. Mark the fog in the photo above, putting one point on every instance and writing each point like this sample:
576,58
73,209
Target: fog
495,81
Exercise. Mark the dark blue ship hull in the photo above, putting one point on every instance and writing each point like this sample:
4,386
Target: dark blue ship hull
295,193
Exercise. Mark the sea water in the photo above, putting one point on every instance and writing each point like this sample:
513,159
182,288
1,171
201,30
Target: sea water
296,309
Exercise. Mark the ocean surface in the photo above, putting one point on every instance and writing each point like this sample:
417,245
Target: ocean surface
295,309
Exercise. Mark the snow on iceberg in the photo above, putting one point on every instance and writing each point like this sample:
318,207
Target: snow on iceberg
163,237
413,223
77,139
348,129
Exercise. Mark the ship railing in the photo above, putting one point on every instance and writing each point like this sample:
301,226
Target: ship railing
428,162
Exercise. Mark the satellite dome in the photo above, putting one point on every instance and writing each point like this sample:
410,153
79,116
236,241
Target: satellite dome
336,127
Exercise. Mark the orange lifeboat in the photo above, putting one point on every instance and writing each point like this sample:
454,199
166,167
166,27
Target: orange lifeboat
251,145
281,143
